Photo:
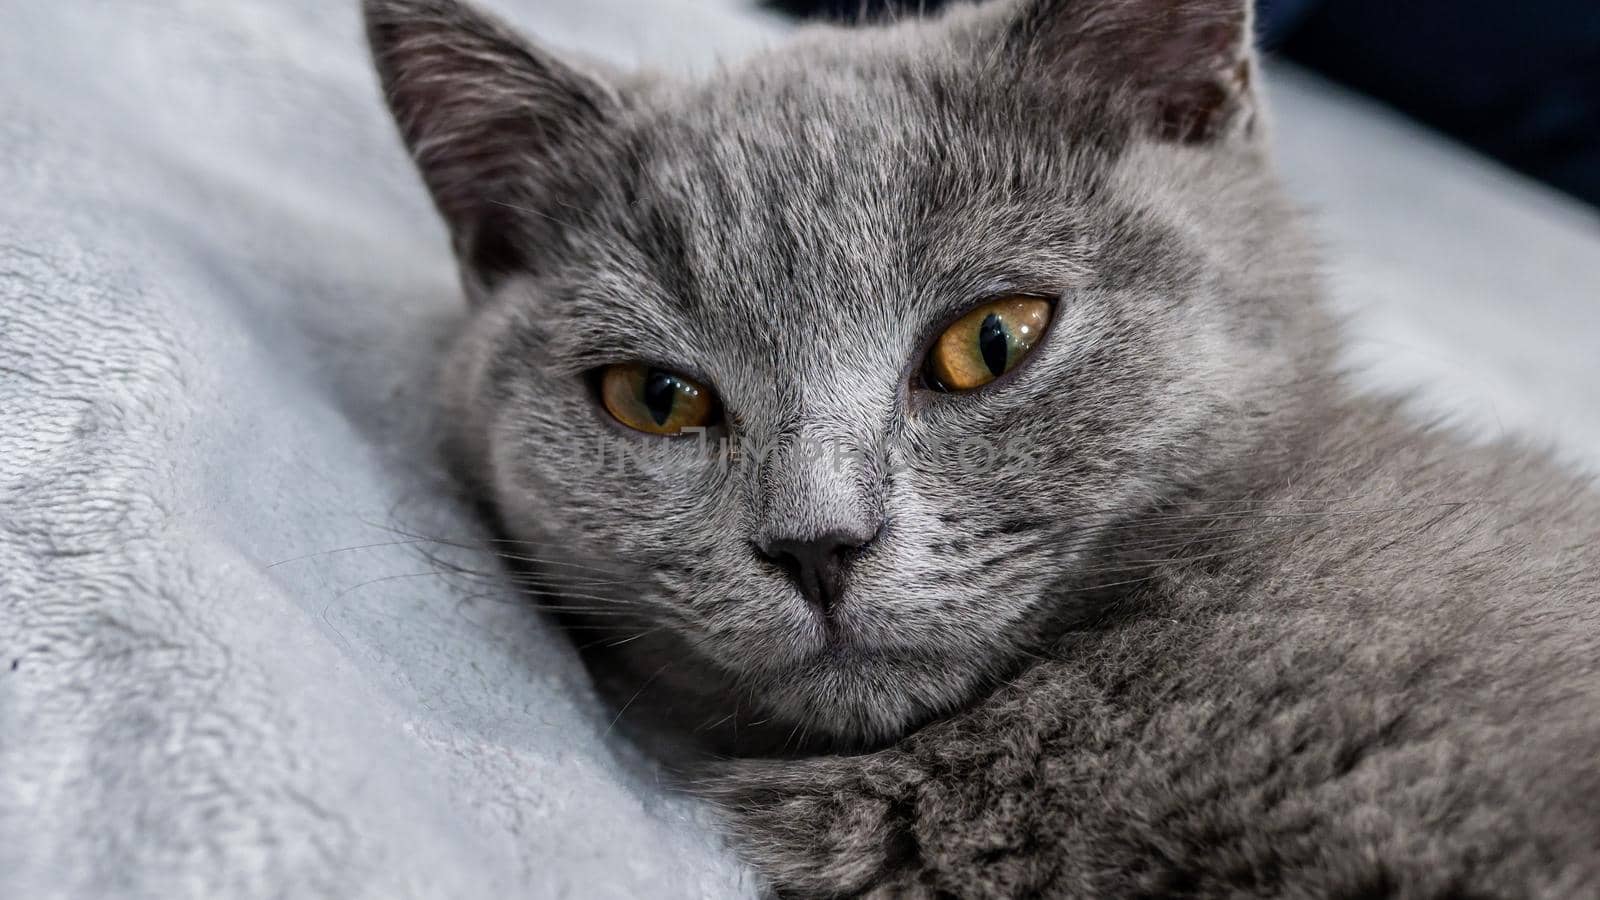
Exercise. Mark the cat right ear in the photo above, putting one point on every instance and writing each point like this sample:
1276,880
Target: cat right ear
485,114
1186,66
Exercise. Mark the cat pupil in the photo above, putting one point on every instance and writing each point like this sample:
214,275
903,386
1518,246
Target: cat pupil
660,390
993,343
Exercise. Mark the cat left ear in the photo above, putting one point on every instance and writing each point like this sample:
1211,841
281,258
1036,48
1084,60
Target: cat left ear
485,115
1188,65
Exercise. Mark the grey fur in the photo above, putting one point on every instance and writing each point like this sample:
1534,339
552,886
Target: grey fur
1211,625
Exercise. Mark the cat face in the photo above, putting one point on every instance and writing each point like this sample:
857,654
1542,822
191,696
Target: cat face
886,499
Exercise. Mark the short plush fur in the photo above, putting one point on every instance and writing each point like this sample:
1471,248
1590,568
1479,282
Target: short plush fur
1165,611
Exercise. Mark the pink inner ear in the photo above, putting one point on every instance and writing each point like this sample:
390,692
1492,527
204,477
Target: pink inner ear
1221,38
1195,74
485,114
1187,61
1191,112
1187,48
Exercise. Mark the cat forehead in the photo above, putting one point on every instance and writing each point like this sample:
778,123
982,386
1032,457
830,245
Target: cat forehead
780,208
837,115
856,177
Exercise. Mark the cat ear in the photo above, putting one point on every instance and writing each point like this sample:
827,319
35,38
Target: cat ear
484,114
1187,64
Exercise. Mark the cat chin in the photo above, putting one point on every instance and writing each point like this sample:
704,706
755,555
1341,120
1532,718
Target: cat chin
851,682
849,696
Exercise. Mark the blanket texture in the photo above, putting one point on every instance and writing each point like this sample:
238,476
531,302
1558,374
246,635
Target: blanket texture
221,288
230,664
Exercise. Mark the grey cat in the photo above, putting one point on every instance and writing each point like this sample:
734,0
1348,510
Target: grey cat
1106,584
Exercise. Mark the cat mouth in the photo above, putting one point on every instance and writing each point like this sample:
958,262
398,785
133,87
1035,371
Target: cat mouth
845,649
862,696
831,649
839,638
838,651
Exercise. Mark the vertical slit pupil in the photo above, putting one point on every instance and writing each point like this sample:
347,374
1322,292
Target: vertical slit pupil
994,343
660,390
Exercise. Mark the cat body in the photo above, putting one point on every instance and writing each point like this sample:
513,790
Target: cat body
1373,676
1159,608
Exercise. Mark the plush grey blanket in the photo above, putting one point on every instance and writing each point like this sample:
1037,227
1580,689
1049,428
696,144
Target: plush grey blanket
228,664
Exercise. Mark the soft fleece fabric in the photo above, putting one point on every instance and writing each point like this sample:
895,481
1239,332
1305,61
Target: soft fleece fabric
223,671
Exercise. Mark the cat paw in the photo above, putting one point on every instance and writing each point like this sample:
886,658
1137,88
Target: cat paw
825,827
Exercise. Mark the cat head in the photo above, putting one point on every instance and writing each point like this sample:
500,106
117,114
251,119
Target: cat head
840,365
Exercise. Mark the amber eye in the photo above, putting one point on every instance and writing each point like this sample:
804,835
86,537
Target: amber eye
986,343
655,400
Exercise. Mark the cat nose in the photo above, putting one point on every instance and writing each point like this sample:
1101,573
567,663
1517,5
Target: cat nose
817,565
